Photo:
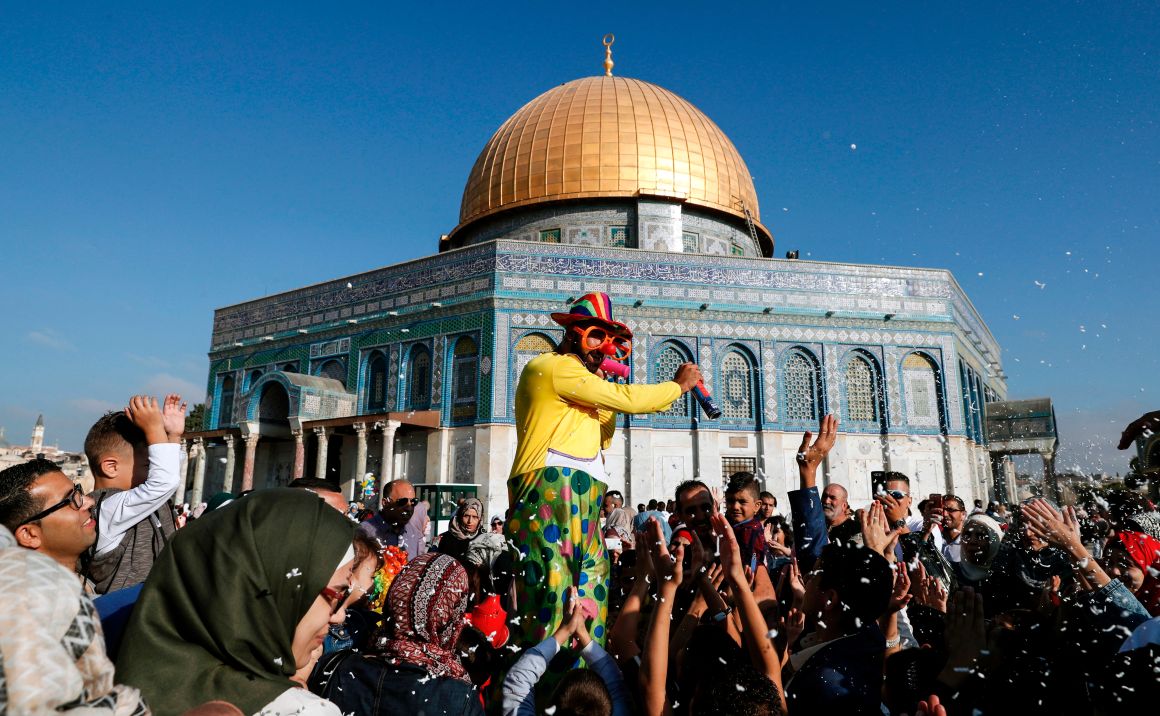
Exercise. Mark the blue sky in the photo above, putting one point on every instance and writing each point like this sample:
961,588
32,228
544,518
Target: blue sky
158,162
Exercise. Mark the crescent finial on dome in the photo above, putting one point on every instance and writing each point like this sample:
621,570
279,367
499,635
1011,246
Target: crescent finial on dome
608,40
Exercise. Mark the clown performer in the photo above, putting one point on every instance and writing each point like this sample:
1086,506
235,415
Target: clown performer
565,417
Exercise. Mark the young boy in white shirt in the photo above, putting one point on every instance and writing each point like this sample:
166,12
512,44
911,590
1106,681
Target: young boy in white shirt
135,456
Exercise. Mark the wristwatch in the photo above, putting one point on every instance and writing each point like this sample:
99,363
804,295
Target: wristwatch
721,615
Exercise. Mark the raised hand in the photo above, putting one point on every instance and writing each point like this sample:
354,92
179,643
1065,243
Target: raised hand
1048,524
811,455
966,635
1142,426
696,563
901,595
667,567
145,414
874,533
797,585
173,416
931,707
730,551
792,624
930,592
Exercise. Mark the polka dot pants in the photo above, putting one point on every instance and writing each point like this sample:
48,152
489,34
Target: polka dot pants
555,526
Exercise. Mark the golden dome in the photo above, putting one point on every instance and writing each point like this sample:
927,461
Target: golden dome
599,137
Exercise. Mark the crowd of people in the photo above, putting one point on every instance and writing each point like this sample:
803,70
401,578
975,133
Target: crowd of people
707,601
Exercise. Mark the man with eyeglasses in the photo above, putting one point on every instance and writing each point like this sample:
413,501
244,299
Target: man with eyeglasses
389,526
954,516
46,512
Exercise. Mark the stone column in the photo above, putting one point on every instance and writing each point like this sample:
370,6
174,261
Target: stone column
360,459
388,469
186,465
323,443
228,483
299,454
197,452
1050,481
248,464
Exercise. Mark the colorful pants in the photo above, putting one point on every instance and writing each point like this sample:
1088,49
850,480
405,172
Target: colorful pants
555,525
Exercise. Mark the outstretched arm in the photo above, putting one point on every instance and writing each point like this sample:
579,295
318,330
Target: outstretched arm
654,665
573,382
809,523
753,629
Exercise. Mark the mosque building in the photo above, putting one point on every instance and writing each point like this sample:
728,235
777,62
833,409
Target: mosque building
609,184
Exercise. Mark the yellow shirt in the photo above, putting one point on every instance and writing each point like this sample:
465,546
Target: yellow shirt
562,406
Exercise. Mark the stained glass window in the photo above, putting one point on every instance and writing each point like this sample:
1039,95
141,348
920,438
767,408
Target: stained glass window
669,359
419,379
921,391
861,392
618,236
736,386
466,378
551,236
377,382
690,241
801,388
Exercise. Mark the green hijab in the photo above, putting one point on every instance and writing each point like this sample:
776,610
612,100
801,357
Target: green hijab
216,617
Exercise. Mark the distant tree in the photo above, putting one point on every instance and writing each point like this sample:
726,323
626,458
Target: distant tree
193,421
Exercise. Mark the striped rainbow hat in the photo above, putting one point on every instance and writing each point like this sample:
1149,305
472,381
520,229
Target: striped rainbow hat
591,306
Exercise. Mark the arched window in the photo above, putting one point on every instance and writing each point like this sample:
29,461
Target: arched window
288,368
801,388
921,386
253,378
528,347
274,405
377,382
226,407
736,389
668,360
861,391
335,370
419,379
466,378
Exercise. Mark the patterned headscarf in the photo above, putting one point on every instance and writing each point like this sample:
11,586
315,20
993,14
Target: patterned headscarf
456,527
52,650
424,616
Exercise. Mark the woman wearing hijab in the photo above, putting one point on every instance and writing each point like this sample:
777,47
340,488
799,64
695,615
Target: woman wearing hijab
238,604
413,665
465,526
52,651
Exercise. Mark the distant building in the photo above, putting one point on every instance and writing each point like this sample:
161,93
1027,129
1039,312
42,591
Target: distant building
616,185
75,465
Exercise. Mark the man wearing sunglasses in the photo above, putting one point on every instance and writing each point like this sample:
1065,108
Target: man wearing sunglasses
565,414
391,525
46,512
